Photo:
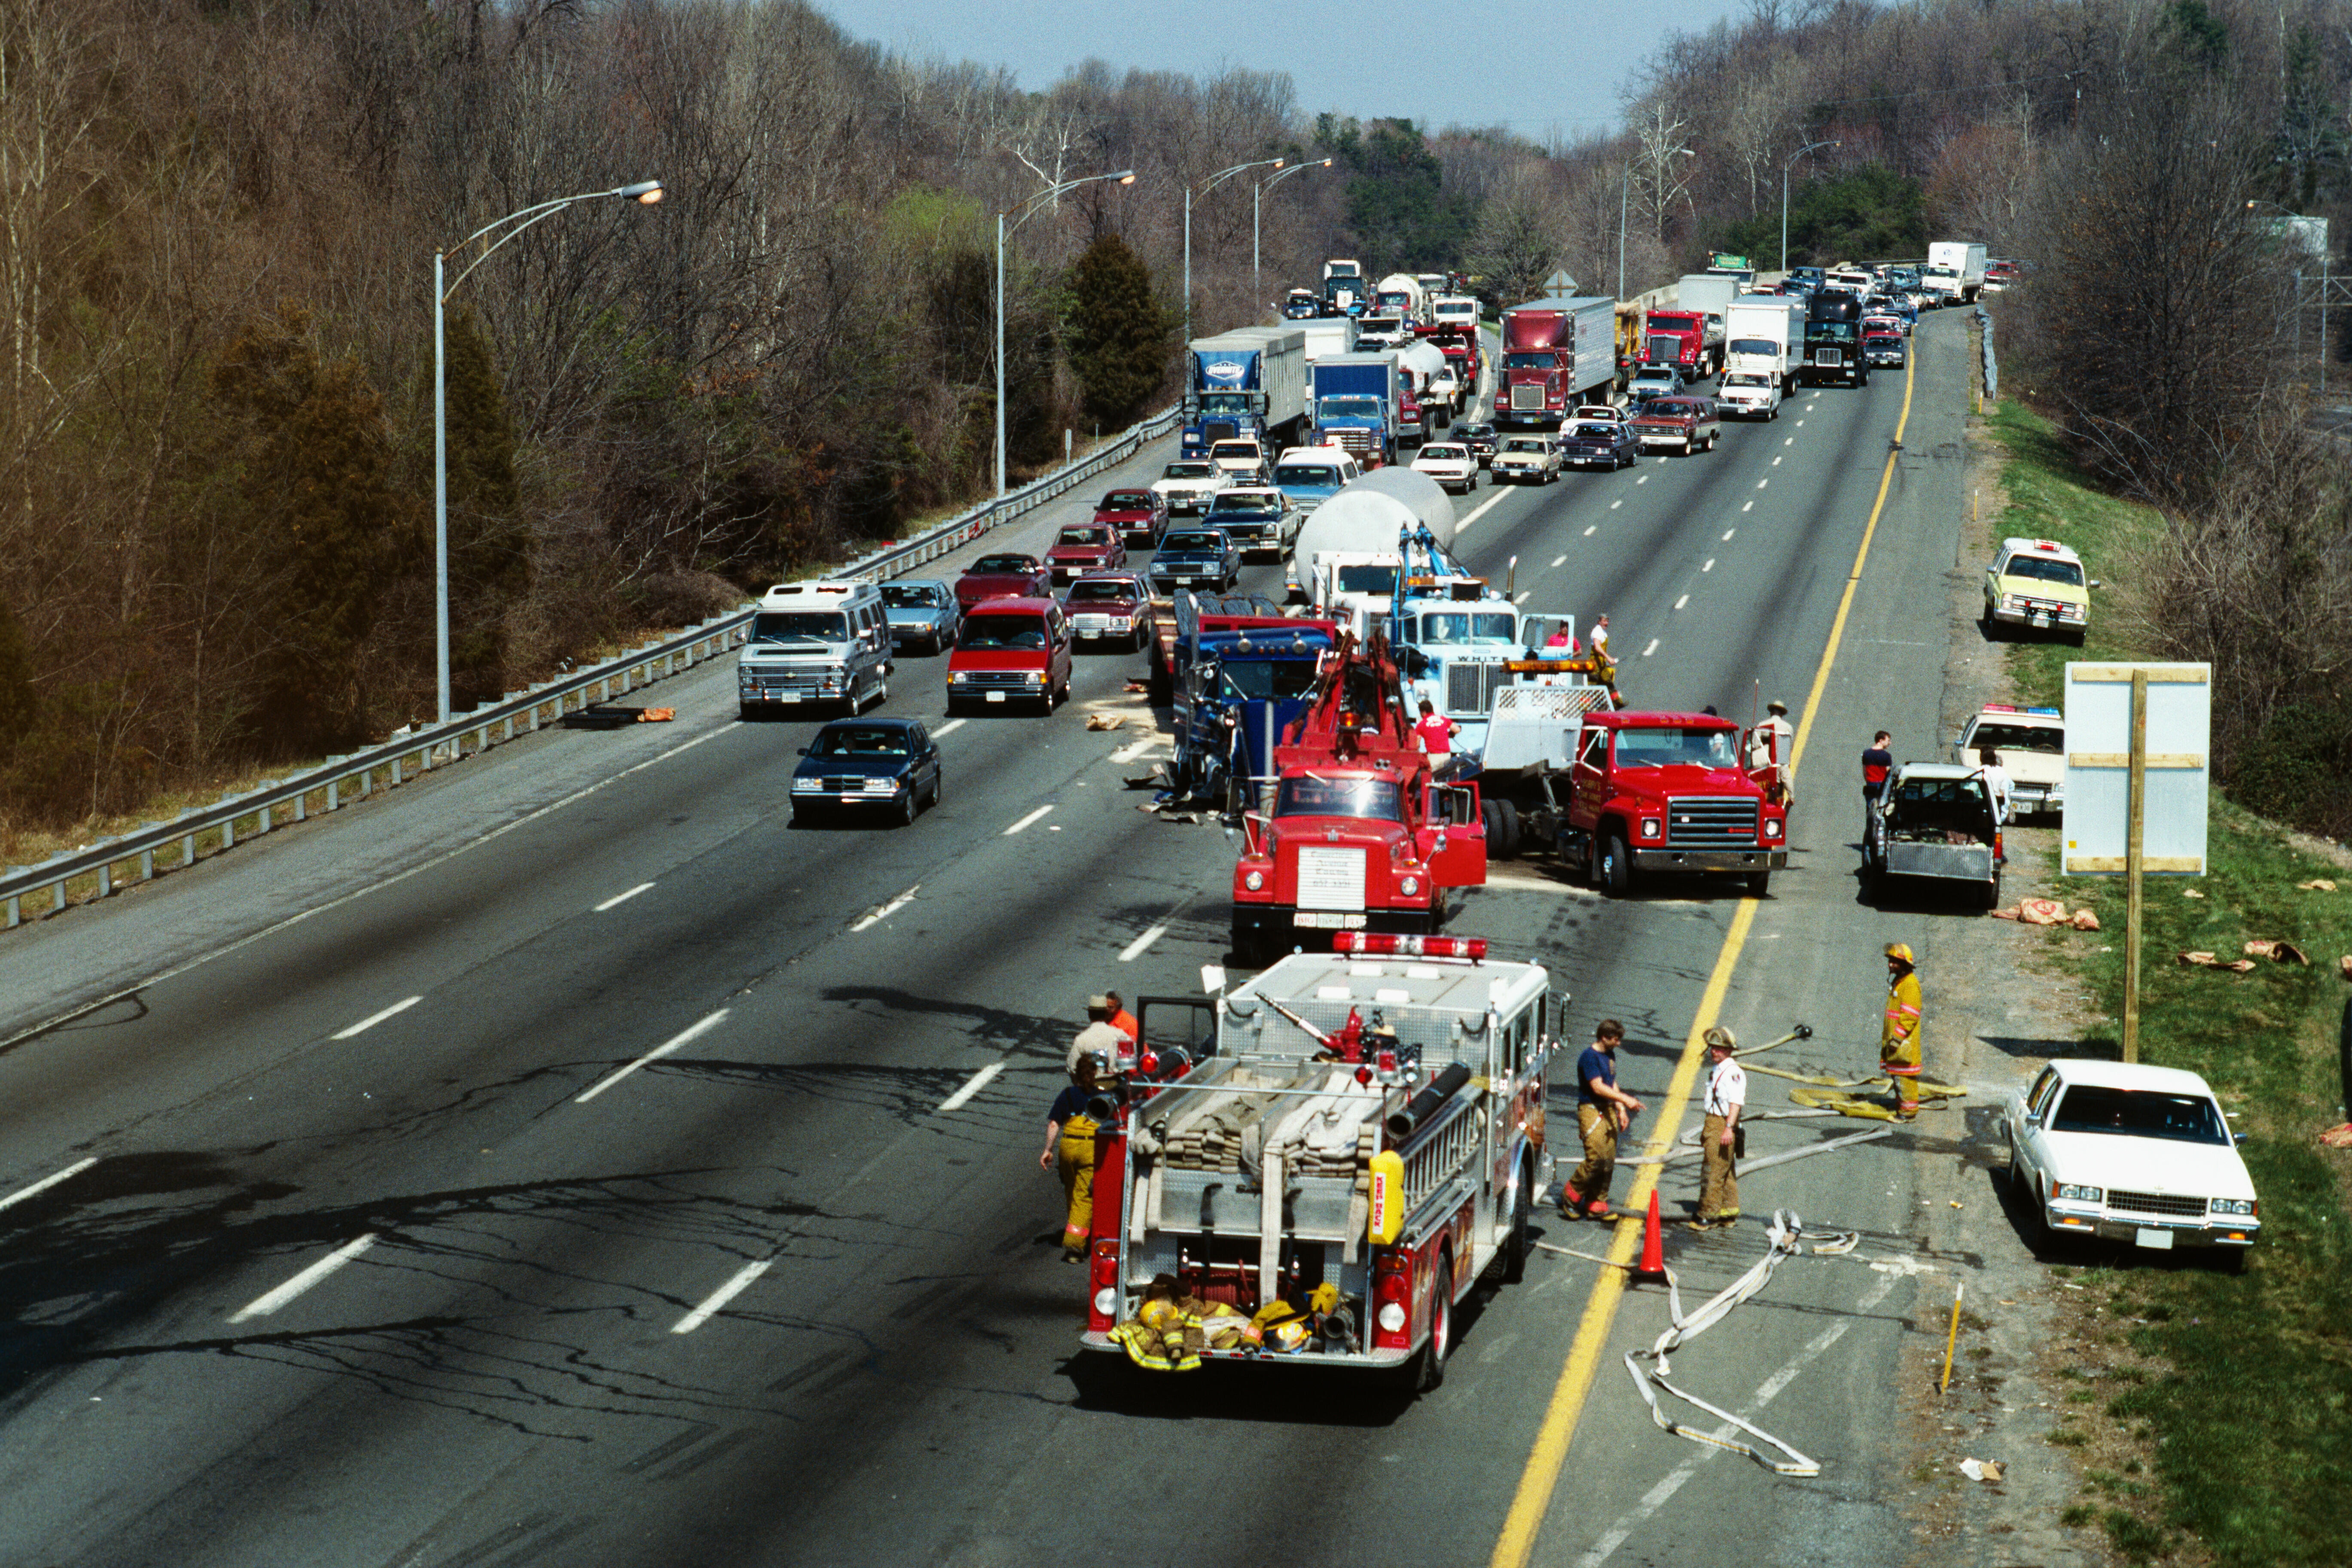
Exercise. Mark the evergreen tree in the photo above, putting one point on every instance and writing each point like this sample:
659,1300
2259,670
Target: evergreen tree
307,461
489,549
1119,332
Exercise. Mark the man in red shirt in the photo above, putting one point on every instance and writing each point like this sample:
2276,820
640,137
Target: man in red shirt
1436,733
1876,764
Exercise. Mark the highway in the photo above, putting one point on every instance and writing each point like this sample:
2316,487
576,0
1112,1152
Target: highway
569,1161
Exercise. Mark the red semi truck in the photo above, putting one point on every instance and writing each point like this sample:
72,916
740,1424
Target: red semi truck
1557,353
1691,339
1363,836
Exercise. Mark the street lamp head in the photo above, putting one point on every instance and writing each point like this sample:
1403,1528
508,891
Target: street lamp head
1328,162
1127,178
644,192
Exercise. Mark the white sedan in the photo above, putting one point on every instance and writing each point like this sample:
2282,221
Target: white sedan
2129,1152
1455,467
1526,460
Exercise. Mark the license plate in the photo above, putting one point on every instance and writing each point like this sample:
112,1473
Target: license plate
2041,620
1084,635
2157,1241
996,696
1313,920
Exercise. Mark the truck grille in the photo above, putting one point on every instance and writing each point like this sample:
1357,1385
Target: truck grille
1525,399
1091,622
2157,1203
1470,689
799,685
1219,430
1330,878
1356,440
997,681
1829,356
1700,822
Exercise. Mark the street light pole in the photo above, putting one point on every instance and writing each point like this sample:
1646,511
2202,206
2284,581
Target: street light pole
1258,197
1800,152
644,192
1204,187
1028,209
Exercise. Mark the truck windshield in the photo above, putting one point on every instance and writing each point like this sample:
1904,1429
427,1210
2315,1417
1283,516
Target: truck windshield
1259,680
1002,634
1252,505
1668,748
799,626
2139,1114
1829,332
1375,799
2008,737
2041,568
1452,627
1307,474
1367,579
1352,408
1224,402
1544,362
1764,346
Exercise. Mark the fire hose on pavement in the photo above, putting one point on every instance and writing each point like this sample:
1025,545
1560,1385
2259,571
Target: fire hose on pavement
1786,1233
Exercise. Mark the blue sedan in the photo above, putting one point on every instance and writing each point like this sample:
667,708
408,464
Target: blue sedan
887,766
1599,444
923,614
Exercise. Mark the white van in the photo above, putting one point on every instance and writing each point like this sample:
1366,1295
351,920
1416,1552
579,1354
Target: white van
815,642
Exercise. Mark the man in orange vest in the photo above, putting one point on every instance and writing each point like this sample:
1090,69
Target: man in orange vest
1898,1032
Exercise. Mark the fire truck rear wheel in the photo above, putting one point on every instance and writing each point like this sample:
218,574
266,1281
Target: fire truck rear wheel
1429,1366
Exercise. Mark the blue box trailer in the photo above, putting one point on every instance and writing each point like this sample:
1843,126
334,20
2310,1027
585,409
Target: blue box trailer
1249,381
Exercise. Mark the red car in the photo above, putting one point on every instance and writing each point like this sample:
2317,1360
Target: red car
1012,650
1082,548
1139,516
1005,576
1111,609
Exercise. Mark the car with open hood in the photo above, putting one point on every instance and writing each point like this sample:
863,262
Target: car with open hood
2128,1152
886,770
1081,548
1005,574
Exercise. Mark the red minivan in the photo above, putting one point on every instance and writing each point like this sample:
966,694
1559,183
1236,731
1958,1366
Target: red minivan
1011,651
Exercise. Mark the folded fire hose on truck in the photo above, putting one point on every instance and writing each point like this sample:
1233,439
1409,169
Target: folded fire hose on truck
1787,1231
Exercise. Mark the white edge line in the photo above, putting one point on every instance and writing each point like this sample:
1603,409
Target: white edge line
973,1085
1134,951
721,1296
262,1306
888,909
1024,822
373,1019
655,1054
620,898
950,728
524,821
42,1185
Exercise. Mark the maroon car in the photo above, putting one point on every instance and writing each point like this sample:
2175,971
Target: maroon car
1111,609
1081,548
1005,576
1688,422
1139,516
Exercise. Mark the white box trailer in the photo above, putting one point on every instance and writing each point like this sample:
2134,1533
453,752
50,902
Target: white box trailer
1712,292
1955,272
1766,333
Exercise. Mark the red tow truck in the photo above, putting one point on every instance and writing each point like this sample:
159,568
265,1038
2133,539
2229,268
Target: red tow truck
1691,339
1386,1172
1617,794
1363,837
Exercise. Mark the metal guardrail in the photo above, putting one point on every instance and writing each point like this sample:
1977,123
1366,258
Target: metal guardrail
202,830
1991,365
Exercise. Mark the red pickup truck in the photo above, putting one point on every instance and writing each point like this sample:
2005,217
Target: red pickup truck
1688,424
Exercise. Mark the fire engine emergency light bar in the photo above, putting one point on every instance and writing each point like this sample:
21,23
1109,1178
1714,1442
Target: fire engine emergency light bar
1374,943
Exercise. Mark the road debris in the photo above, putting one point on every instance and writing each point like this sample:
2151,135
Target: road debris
2213,961
2277,952
1105,720
2317,884
2338,1137
1986,1471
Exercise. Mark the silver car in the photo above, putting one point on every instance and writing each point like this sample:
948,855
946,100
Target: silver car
922,613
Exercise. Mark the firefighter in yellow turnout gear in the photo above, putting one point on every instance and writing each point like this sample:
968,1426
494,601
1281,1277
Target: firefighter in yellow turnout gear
1070,1152
1898,1034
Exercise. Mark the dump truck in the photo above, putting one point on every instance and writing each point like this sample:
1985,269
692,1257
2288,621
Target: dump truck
1323,1161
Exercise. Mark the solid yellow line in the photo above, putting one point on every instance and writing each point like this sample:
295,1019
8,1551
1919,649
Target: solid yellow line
1550,1455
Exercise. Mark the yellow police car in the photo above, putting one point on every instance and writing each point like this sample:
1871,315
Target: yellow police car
2038,584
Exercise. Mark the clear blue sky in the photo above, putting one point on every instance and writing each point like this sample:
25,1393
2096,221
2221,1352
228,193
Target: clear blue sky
1536,67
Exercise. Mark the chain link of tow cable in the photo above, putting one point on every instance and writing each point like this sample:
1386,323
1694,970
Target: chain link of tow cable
1786,1233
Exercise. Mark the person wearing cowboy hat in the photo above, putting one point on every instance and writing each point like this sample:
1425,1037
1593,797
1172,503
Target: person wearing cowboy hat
1770,743
1718,1138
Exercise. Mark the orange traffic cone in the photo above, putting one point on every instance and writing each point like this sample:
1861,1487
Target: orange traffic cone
1653,1250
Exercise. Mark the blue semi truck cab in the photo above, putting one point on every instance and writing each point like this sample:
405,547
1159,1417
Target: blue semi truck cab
1355,400
1243,671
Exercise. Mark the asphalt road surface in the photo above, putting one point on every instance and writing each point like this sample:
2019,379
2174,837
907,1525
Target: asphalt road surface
569,1161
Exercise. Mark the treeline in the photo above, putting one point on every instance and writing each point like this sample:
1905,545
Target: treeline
218,222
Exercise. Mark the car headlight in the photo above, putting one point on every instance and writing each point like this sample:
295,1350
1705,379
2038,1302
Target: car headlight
1255,881
807,787
958,677
2072,1192
1122,623
1408,885
1036,677
1651,828
881,786
2234,1205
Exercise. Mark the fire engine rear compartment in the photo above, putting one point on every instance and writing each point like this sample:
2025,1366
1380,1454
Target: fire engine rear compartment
1252,1179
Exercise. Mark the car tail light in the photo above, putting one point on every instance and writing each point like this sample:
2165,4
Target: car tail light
1401,944
1392,1299
1102,1303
